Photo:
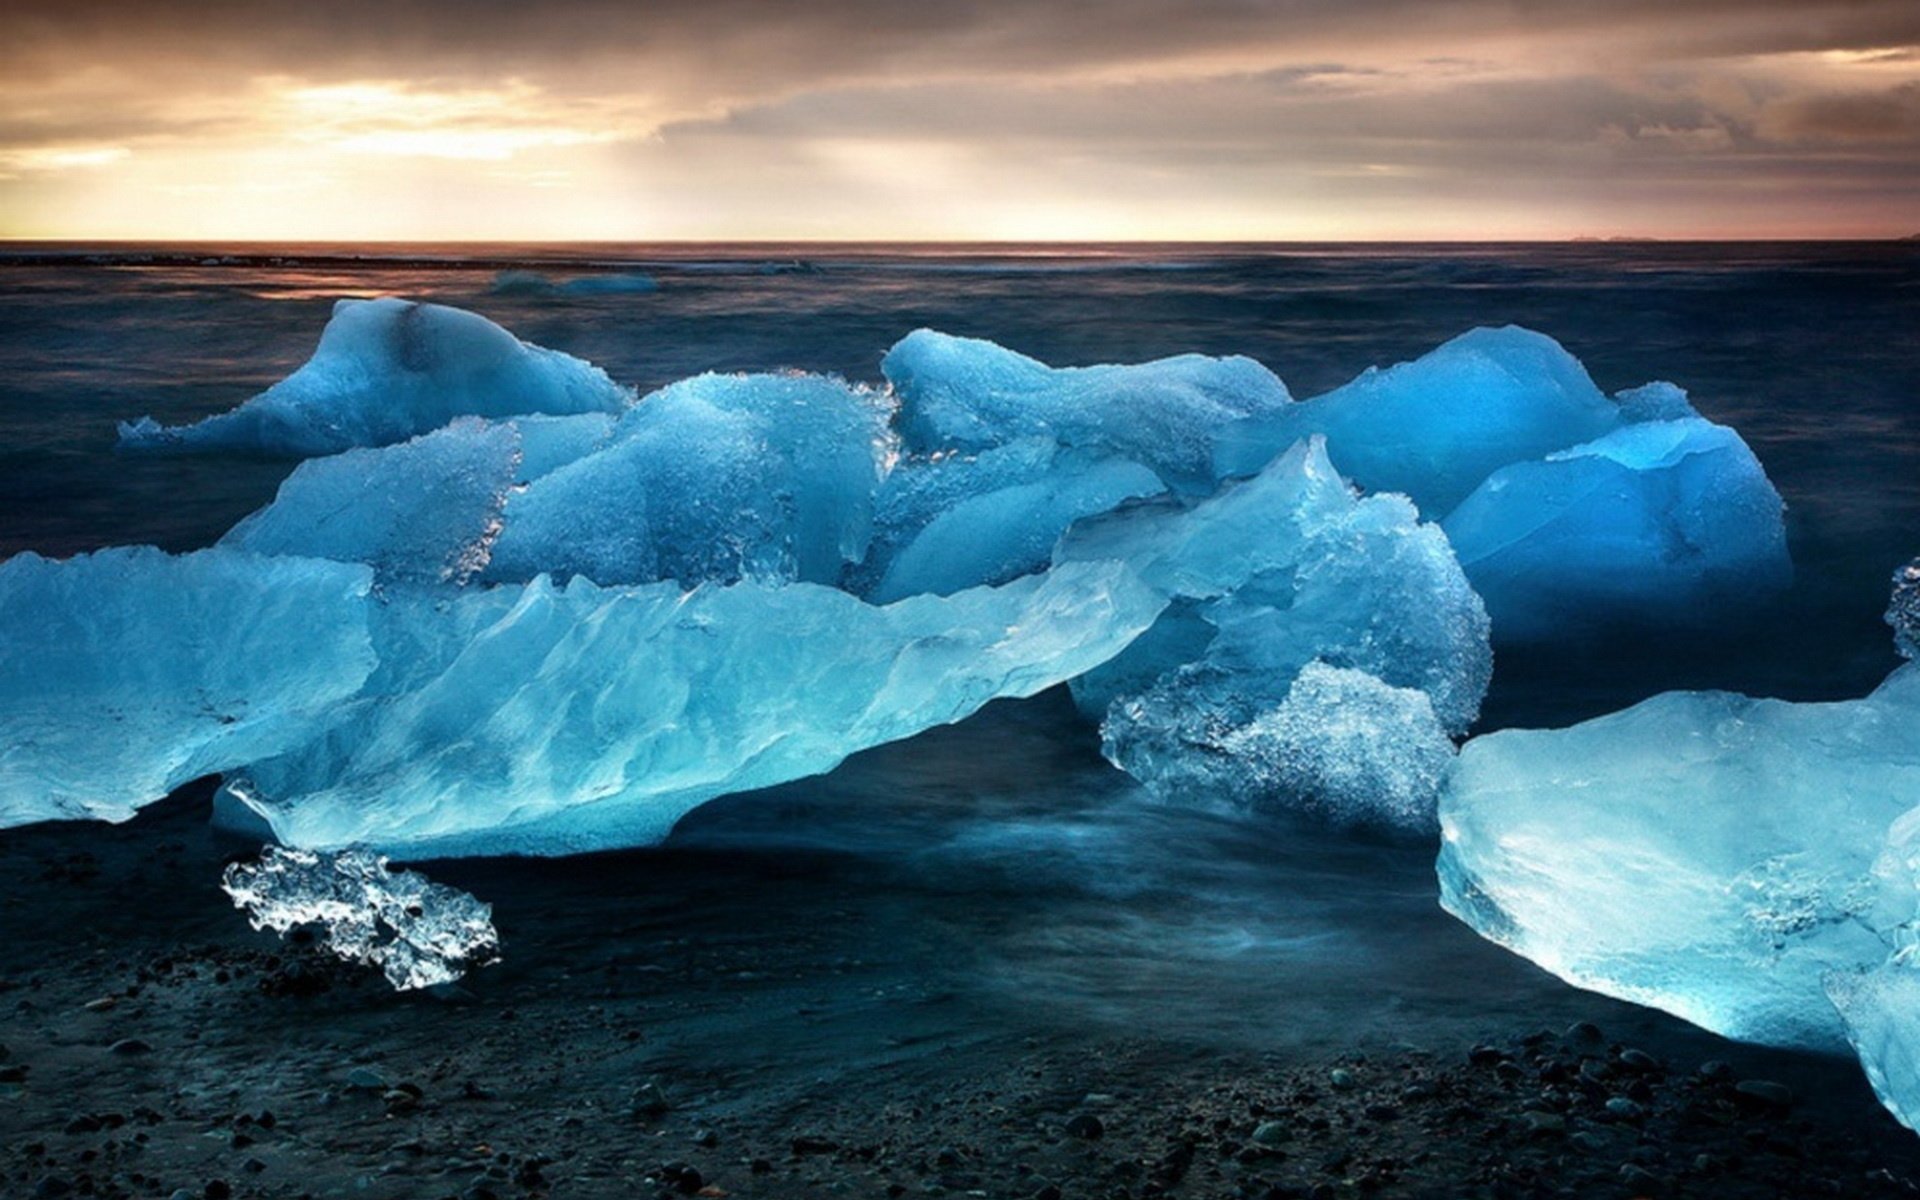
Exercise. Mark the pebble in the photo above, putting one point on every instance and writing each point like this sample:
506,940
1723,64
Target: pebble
366,1079
1271,1133
649,1100
1765,1093
1585,1033
1085,1126
129,1046
1623,1109
1541,1124
1340,1078
1639,1060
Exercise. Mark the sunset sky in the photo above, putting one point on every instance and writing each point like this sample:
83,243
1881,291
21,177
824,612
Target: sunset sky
967,119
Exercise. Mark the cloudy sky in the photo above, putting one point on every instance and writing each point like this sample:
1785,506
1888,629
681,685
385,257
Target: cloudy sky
959,119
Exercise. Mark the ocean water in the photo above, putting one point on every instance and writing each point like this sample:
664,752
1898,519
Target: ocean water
1009,833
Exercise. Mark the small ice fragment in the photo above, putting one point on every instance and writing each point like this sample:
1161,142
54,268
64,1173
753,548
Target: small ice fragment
1903,611
418,932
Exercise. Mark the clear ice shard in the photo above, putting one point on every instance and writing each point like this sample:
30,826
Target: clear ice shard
1723,858
387,370
128,672
1672,522
1316,644
1903,611
418,933
968,395
555,720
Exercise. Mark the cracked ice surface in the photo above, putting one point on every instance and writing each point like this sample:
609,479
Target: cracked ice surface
417,932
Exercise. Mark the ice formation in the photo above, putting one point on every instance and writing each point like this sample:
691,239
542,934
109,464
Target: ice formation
1671,521
715,478
1570,511
969,395
550,720
427,509
126,673
1300,615
1432,429
521,282
1724,858
387,370
1903,611
417,932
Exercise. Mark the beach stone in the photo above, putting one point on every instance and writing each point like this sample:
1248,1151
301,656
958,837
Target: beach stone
1271,1133
1585,1033
366,1079
1340,1078
1764,1093
1542,1124
1085,1126
1622,1109
1639,1060
127,1047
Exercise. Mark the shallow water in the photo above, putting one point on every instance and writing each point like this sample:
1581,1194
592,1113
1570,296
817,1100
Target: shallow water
1004,851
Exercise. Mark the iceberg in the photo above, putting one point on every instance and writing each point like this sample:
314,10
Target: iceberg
968,395
1668,522
1434,428
387,370
555,720
417,932
1720,857
1316,645
713,479
128,672
425,510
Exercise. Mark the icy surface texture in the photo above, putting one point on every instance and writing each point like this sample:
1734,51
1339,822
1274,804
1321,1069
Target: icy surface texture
424,510
1342,745
1879,1008
549,720
417,932
956,523
387,370
1671,522
1289,567
549,443
1903,612
970,395
1434,428
126,673
715,478
1704,853
1287,593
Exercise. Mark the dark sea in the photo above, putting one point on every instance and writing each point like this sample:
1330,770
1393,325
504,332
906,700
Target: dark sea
1003,854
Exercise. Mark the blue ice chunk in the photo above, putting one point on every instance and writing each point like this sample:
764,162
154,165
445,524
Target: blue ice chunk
549,443
958,522
1341,746
551,720
522,282
1289,567
126,673
425,510
1703,853
1877,1007
1282,573
970,395
714,478
387,370
1434,428
1656,401
1662,522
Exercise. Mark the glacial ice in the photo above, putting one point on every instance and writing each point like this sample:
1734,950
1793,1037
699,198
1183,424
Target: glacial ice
128,672
1298,614
1704,853
387,370
1668,521
953,523
970,395
712,479
521,282
1433,428
417,932
423,510
554,720
1341,745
